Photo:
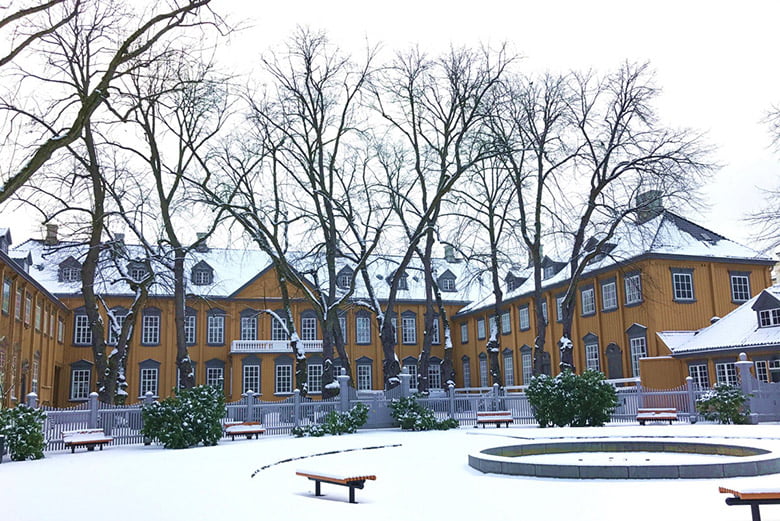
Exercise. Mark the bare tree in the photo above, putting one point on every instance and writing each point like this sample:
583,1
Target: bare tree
766,219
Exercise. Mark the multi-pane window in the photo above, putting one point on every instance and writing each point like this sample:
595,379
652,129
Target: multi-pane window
18,305
525,318
483,372
251,378
113,332
409,330
588,298
544,312
412,370
343,327
60,330
137,273
82,333
592,356
278,331
700,375
71,274
682,285
201,277
283,379
215,377
314,377
464,333
150,332
6,295
506,323
528,366
726,373
638,350
27,309
434,376
559,308
509,370
492,328
435,334
740,288
308,328
215,329
38,312
633,288
36,371
394,323
762,371
548,271
480,329
189,329
466,372
609,296
148,381
363,329
249,328
769,317
364,377
79,384
344,280
447,284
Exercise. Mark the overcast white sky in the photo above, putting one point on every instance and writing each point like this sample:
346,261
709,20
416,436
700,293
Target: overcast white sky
716,62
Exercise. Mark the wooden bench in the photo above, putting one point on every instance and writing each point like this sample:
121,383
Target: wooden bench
656,414
352,481
495,417
247,429
753,497
88,438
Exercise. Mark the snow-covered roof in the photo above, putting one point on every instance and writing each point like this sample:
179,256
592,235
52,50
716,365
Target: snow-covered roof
666,234
738,329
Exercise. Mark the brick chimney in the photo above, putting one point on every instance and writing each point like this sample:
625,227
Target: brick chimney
51,235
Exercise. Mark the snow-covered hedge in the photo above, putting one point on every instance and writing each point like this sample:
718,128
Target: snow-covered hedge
725,404
414,417
336,423
192,416
571,399
23,430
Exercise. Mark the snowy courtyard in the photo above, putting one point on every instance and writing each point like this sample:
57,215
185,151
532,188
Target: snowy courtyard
426,477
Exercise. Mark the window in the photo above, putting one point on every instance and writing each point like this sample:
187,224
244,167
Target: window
544,312
548,271
60,330
364,377
150,328
148,380
70,274
762,371
52,318
525,318
726,373
559,307
308,328
215,328
411,368
6,296
343,327
464,333
526,359
592,356
466,363
633,288
506,323
215,377
447,284
137,273
79,384
113,333
314,377
480,329
278,330
251,378
483,370
700,375
18,305
36,370
509,368
434,375
190,322
38,312
638,350
284,380
201,277
588,300
363,329
27,309
740,286
769,317
492,325
682,284
82,333
344,278
394,323
409,329
403,283
178,375
45,327
435,334
249,327
609,296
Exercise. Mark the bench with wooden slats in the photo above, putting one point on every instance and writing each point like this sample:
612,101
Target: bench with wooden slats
493,417
752,496
247,429
89,438
353,481
656,414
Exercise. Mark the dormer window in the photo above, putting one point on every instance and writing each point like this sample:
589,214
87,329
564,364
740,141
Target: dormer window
344,278
548,272
769,317
137,272
447,281
69,270
202,274
403,284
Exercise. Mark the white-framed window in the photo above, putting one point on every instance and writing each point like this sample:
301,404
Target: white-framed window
464,333
609,296
769,317
52,320
435,333
509,370
79,384
113,334
215,329
700,375
506,323
45,327
394,323
740,288
726,373
137,273
412,370
189,328
284,381
762,371
638,350
178,375
278,331
466,363
150,333
526,359
27,309
364,377
7,295
343,327
309,328
36,371
148,381
483,372
633,287
559,308
588,298
548,271
314,377
409,333
38,312
249,328
215,377
682,285
544,312
592,357
201,277
492,325
18,305
344,280
434,376
251,378
480,329
60,330
71,274
82,333
447,284
363,329
525,318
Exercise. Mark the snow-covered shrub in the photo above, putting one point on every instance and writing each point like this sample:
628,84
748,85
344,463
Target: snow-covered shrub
414,417
23,430
336,423
725,404
571,399
192,416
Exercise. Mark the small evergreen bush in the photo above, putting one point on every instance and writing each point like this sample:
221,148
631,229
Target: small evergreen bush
725,404
414,417
192,416
571,399
23,430
336,422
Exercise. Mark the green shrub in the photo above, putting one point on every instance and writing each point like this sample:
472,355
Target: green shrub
23,430
571,399
414,417
725,404
336,422
192,416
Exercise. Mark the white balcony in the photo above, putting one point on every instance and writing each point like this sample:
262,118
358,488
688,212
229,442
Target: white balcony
274,346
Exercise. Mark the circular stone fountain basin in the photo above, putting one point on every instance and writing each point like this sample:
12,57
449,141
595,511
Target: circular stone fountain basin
616,459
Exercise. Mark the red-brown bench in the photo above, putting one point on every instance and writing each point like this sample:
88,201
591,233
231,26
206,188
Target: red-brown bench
494,417
753,497
247,429
88,438
656,414
352,481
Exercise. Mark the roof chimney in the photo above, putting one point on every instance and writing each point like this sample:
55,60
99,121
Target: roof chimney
449,254
649,205
202,246
51,235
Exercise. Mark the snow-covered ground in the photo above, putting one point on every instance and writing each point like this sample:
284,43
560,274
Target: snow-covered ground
426,477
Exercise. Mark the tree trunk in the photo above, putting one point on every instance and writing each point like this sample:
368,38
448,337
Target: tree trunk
183,362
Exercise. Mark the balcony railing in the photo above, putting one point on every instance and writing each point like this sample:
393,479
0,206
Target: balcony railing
274,346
